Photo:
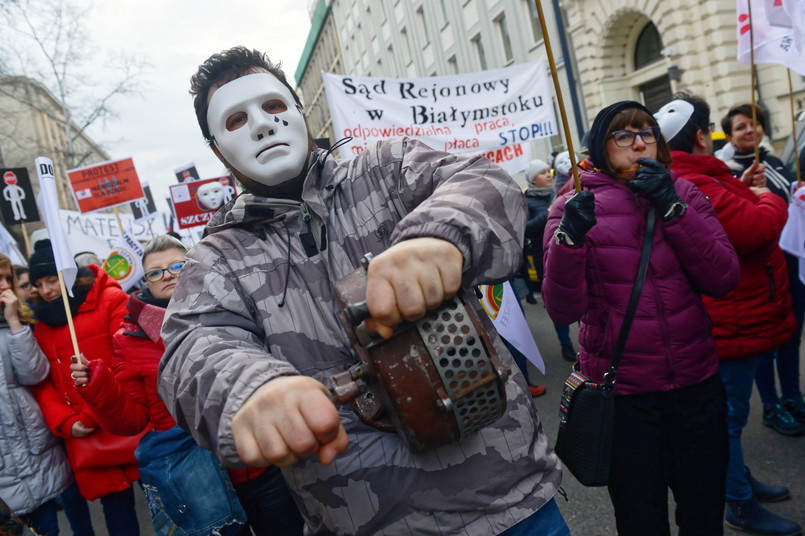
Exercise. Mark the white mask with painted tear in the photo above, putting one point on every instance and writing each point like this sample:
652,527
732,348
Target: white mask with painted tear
258,128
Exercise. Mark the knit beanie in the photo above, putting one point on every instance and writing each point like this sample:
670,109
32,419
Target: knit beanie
42,263
534,167
600,126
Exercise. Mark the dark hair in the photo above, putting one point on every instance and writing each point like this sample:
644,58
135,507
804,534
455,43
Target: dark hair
20,270
742,109
635,118
224,67
699,120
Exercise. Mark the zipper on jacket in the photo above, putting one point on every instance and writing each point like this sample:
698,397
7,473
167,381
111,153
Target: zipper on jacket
666,340
307,215
770,272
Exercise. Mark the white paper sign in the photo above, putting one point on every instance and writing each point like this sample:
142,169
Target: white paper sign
494,113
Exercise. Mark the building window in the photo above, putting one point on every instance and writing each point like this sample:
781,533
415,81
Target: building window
423,25
445,18
479,46
649,47
406,46
452,65
504,35
536,29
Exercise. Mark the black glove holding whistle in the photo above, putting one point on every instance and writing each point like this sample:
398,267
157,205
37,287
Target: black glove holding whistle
654,183
578,218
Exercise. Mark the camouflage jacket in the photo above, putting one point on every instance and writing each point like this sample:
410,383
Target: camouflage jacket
226,335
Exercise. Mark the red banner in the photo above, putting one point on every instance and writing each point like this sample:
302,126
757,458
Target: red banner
105,185
195,202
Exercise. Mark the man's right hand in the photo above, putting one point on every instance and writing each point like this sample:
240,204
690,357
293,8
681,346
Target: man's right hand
288,418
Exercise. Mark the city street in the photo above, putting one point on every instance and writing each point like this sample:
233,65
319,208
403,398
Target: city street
773,458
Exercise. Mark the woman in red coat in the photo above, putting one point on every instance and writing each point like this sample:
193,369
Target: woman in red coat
98,306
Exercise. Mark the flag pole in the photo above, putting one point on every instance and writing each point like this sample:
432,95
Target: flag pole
794,131
28,240
559,100
752,84
64,295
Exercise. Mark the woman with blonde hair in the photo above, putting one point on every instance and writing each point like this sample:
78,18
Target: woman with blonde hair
33,467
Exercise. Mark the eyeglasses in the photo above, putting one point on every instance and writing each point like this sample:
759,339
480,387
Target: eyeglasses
158,273
625,138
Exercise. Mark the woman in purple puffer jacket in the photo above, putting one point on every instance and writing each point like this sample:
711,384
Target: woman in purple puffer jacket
670,408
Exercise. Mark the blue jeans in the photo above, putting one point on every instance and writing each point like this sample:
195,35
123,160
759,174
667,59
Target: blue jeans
269,506
44,519
547,521
738,376
787,357
119,512
77,511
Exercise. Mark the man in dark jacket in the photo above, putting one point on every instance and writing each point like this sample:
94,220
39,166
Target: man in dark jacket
252,330
747,322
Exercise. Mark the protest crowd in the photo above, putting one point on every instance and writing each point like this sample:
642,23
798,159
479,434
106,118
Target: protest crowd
217,384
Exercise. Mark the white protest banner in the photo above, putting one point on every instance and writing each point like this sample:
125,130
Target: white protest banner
494,113
773,44
500,303
98,232
49,210
125,262
8,246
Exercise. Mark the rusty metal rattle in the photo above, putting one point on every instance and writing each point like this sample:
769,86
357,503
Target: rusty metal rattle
434,381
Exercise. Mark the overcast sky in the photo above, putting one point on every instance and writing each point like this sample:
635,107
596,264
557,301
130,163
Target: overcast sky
159,130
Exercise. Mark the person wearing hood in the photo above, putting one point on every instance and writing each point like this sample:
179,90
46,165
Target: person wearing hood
252,331
98,306
755,318
670,409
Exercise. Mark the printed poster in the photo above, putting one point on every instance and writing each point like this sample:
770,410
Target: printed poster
105,185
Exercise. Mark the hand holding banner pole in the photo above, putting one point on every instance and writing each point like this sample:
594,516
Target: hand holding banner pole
559,100
49,208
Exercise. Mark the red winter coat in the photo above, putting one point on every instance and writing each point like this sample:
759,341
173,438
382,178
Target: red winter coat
98,318
670,344
756,317
127,401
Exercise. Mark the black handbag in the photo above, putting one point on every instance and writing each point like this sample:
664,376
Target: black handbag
586,410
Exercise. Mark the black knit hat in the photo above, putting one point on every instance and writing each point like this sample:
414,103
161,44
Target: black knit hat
601,125
42,263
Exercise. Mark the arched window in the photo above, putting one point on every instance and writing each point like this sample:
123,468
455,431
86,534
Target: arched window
649,46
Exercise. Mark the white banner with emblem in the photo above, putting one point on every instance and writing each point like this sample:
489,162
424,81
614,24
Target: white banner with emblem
494,113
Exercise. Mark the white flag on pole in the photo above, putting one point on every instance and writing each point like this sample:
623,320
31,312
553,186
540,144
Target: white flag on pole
781,44
9,247
501,305
49,210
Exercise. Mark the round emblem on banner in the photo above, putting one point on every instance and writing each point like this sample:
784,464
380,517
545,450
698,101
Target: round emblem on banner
491,298
120,265
10,178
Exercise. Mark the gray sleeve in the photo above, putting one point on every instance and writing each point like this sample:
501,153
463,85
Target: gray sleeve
468,201
214,355
29,362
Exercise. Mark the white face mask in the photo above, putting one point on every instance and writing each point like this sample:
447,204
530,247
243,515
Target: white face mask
257,127
211,195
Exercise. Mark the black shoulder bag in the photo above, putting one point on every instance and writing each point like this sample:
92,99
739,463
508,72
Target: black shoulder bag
586,411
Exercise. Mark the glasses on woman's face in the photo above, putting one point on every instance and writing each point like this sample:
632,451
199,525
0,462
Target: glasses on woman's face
158,273
626,138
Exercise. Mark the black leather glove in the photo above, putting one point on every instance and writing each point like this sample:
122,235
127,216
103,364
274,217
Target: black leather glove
654,183
579,217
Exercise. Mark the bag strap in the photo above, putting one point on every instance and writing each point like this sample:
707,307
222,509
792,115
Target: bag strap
631,309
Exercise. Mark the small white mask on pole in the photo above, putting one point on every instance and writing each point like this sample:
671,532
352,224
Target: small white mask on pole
258,128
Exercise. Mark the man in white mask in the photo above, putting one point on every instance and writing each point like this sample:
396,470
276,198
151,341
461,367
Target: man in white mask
210,196
252,332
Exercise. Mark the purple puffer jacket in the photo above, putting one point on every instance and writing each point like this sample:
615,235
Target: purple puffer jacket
671,343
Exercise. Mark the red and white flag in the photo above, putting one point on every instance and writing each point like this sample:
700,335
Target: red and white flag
48,202
779,32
